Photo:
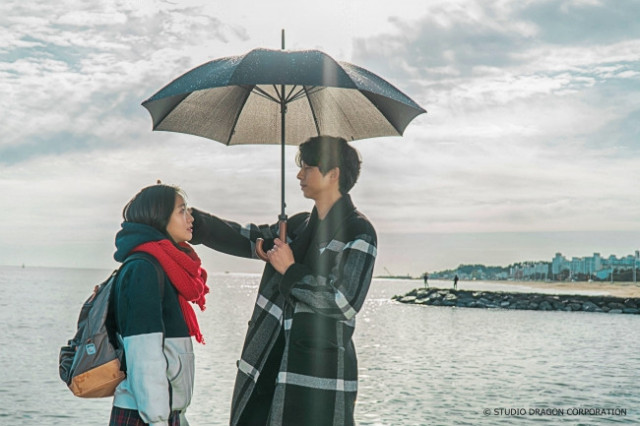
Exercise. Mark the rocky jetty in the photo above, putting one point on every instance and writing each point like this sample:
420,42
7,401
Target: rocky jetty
526,301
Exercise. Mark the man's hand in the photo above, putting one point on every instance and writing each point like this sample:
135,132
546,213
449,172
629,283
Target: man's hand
280,256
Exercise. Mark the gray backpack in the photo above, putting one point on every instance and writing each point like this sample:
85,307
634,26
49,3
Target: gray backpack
92,363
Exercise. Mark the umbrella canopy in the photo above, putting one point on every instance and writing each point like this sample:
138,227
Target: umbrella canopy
280,97
240,100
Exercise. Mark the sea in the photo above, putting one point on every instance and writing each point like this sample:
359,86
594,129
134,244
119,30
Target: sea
418,365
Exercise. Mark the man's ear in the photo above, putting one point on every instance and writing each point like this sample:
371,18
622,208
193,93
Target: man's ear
335,174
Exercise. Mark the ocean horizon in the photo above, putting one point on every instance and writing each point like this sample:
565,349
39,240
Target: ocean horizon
398,253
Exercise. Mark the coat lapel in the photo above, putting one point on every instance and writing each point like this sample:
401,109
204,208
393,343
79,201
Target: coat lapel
302,241
329,227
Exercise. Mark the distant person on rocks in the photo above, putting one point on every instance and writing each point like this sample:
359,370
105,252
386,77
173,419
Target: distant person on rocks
455,282
298,365
425,277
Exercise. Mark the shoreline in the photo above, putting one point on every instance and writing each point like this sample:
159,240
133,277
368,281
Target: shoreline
520,301
617,289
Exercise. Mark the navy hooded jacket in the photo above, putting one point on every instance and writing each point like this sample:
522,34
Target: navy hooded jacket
158,349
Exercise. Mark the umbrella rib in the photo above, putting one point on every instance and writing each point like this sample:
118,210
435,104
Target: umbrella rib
313,111
260,92
289,97
313,89
248,91
294,96
301,93
391,122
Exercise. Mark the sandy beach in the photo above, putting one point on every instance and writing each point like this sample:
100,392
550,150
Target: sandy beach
618,289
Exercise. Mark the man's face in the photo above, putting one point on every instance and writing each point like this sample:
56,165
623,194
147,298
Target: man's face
313,184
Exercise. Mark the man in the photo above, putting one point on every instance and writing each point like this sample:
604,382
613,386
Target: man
298,364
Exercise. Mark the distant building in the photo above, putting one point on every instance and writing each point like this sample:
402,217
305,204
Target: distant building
559,264
531,271
594,266
560,268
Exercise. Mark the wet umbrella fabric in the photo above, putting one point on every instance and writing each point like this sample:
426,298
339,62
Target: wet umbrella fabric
240,100
280,97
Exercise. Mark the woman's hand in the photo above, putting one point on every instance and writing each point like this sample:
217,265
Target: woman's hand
280,256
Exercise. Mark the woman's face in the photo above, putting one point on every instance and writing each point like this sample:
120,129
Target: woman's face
180,226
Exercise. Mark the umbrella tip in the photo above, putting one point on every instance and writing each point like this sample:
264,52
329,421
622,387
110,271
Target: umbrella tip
282,37
158,182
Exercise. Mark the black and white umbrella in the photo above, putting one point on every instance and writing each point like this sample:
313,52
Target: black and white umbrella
281,97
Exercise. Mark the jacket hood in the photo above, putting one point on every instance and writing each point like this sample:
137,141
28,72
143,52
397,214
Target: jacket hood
131,235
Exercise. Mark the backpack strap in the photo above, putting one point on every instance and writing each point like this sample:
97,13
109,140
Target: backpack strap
149,258
111,321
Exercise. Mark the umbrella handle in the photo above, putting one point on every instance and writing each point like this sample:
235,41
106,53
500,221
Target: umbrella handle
259,242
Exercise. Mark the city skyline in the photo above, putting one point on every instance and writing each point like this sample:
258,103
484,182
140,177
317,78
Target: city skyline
635,255
558,268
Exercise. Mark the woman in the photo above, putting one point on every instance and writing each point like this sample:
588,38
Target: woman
155,320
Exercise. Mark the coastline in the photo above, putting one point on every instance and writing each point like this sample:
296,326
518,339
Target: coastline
617,289
518,300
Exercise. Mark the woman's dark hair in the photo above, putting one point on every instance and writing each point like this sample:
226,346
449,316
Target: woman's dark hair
153,206
328,152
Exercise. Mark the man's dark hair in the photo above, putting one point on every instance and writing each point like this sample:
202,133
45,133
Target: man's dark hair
153,206
328,152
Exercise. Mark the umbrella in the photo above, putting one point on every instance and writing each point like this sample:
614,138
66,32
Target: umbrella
280,97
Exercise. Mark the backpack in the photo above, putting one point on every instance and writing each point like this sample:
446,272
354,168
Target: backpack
92,363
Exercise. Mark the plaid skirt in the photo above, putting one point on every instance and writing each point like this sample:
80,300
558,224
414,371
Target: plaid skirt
126,417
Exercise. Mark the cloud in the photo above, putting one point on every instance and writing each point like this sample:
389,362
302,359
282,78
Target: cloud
76,78
522,133
582,22
484,39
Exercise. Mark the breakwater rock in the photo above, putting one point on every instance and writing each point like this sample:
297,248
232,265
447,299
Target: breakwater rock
526,301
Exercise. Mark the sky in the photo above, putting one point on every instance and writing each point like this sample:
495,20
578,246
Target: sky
531,143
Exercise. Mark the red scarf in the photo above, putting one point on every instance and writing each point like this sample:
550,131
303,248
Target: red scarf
186,275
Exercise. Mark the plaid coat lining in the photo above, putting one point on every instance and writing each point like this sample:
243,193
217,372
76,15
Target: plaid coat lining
315,303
